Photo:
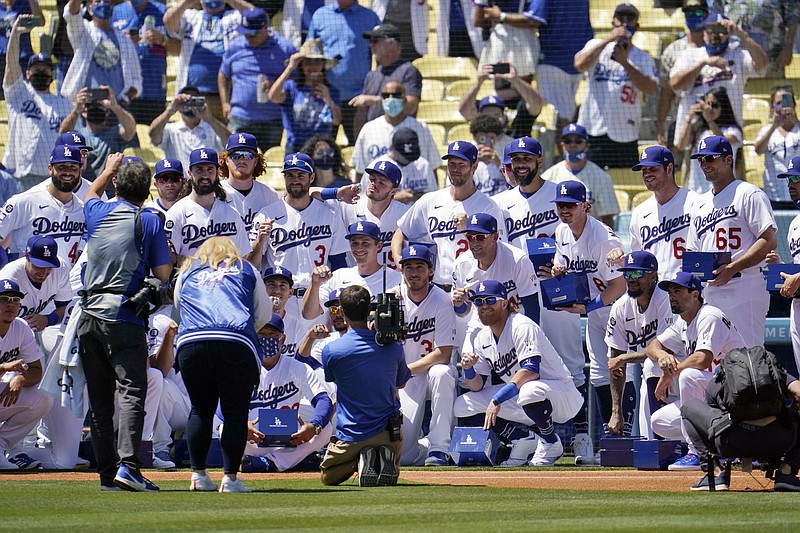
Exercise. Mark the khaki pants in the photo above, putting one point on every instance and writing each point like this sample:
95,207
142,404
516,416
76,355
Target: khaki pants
341,458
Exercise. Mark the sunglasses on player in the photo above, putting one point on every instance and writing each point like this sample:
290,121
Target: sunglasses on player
485,300
634,274
166,178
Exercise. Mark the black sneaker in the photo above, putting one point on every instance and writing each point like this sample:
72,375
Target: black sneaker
388,475
367,475
786,483
722,482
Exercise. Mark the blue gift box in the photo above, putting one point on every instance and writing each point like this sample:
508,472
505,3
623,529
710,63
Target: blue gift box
774,279
473,446
278,426
541,251
564,291
655,454
617,451
703,264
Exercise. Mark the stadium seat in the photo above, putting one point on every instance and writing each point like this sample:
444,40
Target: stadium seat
447,68
547,117
755,111
439,134
623,200
648,41
150,154
459,133
640,198
753,167
626,180
762,87
455,90
347,154
444,112
751,132
273,157
432,90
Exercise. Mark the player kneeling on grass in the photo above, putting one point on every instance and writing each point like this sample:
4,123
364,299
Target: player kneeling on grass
538,391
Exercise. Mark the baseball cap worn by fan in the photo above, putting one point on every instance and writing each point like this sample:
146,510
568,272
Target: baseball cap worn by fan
526,145
42,252
11,288
312,49
481,223
792,169
654,156
626,9
298,161
684,279
405,143
387,169
203,155
417,251
40,58
490,287
574,129
570,192
73,137
462,150
383,30
65,153
253,20
279,272
713,145
489,101
242,140
366,228
640,260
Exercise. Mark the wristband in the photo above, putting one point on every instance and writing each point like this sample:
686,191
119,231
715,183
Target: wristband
52,319
461,308
595,304
329,193
470,373
506,393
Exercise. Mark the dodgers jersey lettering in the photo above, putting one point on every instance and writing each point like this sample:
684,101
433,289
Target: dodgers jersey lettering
528,218
430,324
282,387
259,197
587,254
189,225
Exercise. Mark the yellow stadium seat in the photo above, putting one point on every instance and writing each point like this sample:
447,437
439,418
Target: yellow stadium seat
347,154
751,132
273,157
639,198
755,111
762,87
447,68
648,41
444,112
438,132
580,94
623,200
143,131
625,179
4,113
547,117
432,90
601,18
455,90
753,167
459,133
793,70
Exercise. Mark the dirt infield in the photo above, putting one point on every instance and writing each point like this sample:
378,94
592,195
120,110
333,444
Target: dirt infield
569,479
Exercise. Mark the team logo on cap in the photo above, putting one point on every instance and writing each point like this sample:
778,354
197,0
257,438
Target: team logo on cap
521,143
455,146
294,160
492,100
241,139
7,285
474,219
481,287
67,152
703,144
563,189
76,138
46,251
644,154
360,227
630,259
167,164
383,165
278,270
203,154
791,164
572,127
407,147
412,251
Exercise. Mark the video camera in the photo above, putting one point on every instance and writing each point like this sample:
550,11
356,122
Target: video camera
152,292
390,316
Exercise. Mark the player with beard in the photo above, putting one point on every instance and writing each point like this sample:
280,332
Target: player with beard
204,213
169,183
52,211
239,165
82,187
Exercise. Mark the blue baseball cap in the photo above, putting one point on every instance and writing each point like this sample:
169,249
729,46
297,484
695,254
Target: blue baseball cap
298,161
640,261
279,272
40,58
574,129
417,251
65,153
482,223
570,192
167,166
463,150
203,155
73,137
654,156
626,8
364,227
490,287
242,140
276,322
387,169
526,145
714,18
714,145
131,159
684,279
792,169
9,286
253,20
493,100
42,251
507,153
333,297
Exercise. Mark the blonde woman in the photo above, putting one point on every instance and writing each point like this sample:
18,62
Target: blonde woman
220,302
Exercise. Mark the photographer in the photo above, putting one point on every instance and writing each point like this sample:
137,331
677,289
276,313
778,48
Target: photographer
367,377
127,243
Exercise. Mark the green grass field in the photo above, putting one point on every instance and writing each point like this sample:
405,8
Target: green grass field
305,505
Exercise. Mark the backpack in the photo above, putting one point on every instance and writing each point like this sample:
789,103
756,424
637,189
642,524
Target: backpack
752,382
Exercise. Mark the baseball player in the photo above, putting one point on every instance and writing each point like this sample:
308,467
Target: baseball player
538,389
76,139
279,282
54,211
430,337
204,213
240,164
299,232
707,335
439,217
734,216
169,182
321,334
22,405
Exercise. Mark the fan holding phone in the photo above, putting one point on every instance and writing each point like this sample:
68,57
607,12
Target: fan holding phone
779,142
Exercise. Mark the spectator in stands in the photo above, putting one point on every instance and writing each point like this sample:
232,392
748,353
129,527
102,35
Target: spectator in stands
308,104
104,57
197,128
418,176
386,48
717,64
576,166
329,168
612,109
711,115
34,113
376,136
9,11
456,35
260,61
771,23
512,35
142,21
411,20
779,142
103,137
296,18
488,177
205,35
341,26
695,12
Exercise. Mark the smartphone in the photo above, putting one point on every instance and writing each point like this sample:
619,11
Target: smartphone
501,68
196,101
134,32
317,78
30,22
787,101
98,94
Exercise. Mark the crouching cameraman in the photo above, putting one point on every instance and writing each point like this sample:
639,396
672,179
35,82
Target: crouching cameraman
367,376
126,243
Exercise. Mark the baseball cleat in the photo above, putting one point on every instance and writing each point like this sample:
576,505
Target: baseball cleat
388,473
722,482
131,479
367,475
437,459
687,463
162,460
786,482
547,453
25,461
5,464
233,485
521,451
202,483
82,464
583,449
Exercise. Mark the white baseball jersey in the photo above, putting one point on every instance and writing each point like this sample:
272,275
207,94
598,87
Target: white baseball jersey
189,225
587,254
375,139
612,105
155,204
662,230
779,151
39,301
710,330
282,387
36,212
319,344
528,217
301,240
258,198
346,277
387,223
80,192
430,220
417,175
521,339
295,330
17,343
178,140
158,324
430,323
599,187
794,315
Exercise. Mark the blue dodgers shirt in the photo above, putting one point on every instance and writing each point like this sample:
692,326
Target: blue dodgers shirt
207,54
152,57
304,115
7,17
367,377
105,68
562,33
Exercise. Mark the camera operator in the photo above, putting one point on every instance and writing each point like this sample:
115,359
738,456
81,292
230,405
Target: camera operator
127,243
367,377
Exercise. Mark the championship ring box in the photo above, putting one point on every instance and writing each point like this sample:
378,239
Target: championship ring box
655,454
774,279
473,446
703,264
278,426
563,291
617,451
541,251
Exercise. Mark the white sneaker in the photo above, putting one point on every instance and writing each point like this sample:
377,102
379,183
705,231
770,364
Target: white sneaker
202,483
162,460
233,485
583,449
546,453
521,451
5,464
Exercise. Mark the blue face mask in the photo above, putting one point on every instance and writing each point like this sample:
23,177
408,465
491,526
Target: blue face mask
694,23
631,30
102,10
269,346
393,106
212,4
717,49
577,156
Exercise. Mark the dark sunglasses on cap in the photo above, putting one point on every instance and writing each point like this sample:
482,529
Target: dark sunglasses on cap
708,158
164,178
242,154
695,12
634,274
794,179
485,300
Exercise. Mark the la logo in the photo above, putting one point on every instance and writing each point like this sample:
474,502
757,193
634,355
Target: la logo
67,152
167,164
455,147
203,154
572,127
360,227
563,189
46,251
76,138
644,155
703,144
521,144
241,140
474,219
481,288
383,165
630,259
791,164
412,251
